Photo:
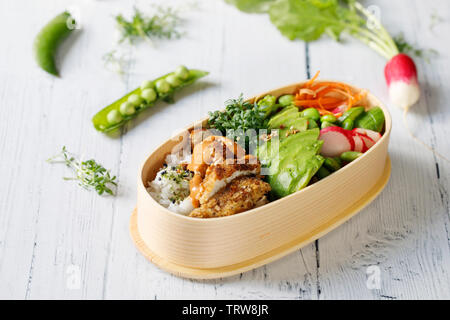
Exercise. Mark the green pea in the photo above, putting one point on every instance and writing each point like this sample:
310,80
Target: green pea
350,156
327,124
114,117
328,118
332,164
147,84
162,86
173,80
135,99
322,173
311,113
49,38
127,108
286,100
347,124
182,72
312,124
149,95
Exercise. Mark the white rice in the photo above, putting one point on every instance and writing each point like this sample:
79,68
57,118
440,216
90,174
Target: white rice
171,186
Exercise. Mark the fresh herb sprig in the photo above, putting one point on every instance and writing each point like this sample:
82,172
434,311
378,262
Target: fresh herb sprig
163,24
89,173
238,117
116,61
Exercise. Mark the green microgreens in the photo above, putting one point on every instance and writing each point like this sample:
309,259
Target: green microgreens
89,173
239,115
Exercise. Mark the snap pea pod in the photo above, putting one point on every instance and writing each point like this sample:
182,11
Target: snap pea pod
111,117
348,124
353,113
49,38
372,120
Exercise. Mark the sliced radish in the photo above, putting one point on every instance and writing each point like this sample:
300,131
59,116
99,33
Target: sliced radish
368,143
335,141
375,136
339,110
359,143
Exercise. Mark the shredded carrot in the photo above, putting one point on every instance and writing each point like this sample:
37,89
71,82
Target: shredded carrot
307,91
318,102
311,81
324,112
326,96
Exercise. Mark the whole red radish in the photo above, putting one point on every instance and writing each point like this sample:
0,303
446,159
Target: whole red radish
401,77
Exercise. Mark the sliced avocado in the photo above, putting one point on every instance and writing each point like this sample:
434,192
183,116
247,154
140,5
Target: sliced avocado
282,117
299,124
295,169
298,161
311,166
308,135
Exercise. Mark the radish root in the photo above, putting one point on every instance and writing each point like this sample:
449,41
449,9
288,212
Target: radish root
405,112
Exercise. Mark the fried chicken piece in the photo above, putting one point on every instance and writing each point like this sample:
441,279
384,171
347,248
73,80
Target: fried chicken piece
219,175
242,194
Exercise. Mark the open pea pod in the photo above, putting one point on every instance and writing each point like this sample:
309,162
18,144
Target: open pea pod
102,119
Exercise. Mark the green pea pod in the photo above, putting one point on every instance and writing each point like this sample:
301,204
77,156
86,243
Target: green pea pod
49,38
350,156
353,113
347,124
104,123
372,120
268,105
332,164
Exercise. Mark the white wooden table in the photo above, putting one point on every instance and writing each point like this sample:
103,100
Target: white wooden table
52,231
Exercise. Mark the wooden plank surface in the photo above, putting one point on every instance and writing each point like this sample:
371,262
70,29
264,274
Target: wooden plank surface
52,231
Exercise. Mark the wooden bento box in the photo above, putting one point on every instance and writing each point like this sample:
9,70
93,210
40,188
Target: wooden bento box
219,247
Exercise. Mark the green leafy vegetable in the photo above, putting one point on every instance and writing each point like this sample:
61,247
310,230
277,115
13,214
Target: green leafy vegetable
163,24
89,173
251,5
308,20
